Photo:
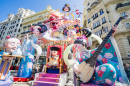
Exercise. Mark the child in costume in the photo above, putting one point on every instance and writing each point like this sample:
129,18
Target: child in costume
11,47
28,49
54,57
109,67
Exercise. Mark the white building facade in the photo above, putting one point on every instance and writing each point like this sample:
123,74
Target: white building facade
12,26
101,15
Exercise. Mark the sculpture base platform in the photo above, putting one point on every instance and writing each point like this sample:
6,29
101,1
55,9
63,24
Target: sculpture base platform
20,79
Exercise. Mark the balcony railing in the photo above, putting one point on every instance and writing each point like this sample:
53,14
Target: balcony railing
94,3
25,27
88,9
119,5
23,33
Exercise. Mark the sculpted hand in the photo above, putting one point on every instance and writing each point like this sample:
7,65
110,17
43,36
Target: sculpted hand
75,67
115,30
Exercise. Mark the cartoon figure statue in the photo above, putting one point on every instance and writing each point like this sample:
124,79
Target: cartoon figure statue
28,49
109,66
54,57
77,27
66,9
78,13
11,50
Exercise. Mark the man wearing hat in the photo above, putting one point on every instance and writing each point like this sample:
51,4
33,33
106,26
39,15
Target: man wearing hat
54,56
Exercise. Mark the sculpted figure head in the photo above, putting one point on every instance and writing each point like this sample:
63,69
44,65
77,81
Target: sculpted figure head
11,44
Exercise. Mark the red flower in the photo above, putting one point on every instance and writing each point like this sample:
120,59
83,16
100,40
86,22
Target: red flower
115,54
93,52
107,46
81,59
104,60
111,70
100,73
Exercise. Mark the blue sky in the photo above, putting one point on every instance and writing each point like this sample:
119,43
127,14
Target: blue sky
12,6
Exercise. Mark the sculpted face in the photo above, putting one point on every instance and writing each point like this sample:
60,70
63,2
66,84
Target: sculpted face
11,44
78,47
55,22
71,33
77,21
36,32
54,53
66,9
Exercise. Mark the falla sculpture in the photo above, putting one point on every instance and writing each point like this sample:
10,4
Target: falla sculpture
11,50
63,36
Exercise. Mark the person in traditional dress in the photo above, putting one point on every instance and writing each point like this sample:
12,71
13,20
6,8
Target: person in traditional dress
109,67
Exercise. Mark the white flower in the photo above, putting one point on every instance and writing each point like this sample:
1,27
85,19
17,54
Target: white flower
108,55
120,79
103,68
114,76
99,57
97,69
83,57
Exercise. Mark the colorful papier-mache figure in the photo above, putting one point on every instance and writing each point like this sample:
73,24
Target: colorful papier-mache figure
11,50
77,26
109,68
54,57
66,9
28,50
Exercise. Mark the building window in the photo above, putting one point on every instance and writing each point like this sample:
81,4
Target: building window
96,33
1,38
18,20
96,24
88,4
106,29
15,30
127,24
89,20
100,32
20,25
95,16
17,25
3,27
123,14
128,39
103,20
101,12
19,30
17,35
